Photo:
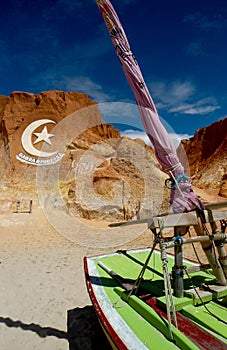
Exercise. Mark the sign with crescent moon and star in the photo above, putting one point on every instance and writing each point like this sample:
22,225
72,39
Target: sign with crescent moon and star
33,155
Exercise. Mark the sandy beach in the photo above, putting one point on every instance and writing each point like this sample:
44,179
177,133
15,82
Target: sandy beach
42,280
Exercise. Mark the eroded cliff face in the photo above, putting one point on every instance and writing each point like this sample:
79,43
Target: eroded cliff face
22,108
206,154
111,178
56,145
18,112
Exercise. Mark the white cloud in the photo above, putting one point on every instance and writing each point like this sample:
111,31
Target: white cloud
134,134
176,138
177,97
169,93
202,21
203,106
52,80
85,85
195,109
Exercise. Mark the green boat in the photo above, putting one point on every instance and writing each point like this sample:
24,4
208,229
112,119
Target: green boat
151,299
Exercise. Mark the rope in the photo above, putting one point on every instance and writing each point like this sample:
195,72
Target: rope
168,293
174,167
167,284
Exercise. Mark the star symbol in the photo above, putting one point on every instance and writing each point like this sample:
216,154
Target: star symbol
43,136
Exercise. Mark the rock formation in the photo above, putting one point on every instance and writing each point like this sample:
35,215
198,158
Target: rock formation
17,112
112,178
206,155
56,150
83,165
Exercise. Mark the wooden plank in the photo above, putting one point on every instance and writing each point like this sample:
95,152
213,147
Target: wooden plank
181,219
186,219
215,215
216,205
174,220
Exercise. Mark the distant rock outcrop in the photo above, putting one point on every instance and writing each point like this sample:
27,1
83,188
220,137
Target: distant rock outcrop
206,155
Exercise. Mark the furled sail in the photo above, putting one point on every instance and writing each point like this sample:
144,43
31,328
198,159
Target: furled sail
182,196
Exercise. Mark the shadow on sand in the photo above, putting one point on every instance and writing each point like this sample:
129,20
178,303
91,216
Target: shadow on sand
41,331
83,330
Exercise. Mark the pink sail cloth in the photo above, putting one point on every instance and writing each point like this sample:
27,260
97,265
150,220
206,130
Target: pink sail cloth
182,196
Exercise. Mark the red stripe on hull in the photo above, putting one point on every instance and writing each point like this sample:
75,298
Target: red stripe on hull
199,336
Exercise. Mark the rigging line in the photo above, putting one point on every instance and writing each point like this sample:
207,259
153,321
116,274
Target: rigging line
167,296
140,276
205,229
149,268
201,300
211,239
195,251
167,283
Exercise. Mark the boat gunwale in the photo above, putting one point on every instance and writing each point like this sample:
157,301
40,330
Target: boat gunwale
101,316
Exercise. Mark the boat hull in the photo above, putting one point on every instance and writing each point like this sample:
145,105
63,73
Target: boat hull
139,322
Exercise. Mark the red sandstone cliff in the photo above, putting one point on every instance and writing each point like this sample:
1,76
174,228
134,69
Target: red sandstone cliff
17,112
206,154
21,108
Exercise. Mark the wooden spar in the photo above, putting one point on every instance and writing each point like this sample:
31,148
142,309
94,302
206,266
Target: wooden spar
126,284
219,244
136,222
186,219
216,205
208,247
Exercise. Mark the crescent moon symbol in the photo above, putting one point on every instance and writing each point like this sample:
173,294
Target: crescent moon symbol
26,139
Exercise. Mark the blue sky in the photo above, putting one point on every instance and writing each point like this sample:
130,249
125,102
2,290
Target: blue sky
64,45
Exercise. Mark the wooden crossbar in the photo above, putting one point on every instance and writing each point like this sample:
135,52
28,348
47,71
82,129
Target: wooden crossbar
174,220
186,219
182,219
216,205
215,215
